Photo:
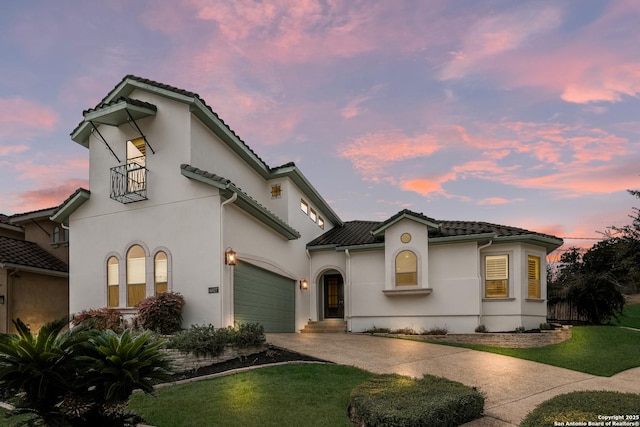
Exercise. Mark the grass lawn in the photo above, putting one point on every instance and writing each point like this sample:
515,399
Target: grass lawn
276,396
630,317
596,350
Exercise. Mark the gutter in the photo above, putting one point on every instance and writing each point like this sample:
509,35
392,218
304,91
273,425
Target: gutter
18,268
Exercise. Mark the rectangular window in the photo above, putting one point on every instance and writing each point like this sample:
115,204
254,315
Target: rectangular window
313,215
496,281
136,165
533,277
304,207
321,222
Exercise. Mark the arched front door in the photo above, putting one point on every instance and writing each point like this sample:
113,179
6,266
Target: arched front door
333,296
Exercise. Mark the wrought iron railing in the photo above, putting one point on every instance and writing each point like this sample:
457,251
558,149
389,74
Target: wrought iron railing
129,182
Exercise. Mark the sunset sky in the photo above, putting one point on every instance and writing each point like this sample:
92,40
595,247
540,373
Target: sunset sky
524,113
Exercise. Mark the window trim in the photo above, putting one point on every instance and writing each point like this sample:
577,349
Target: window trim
510,270
145,259
106,277
166,251
394,274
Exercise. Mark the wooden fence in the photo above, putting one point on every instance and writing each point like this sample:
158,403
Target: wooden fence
560,308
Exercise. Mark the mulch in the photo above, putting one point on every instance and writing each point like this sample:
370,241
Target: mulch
268,356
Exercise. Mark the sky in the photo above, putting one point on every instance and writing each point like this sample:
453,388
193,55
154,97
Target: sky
522,113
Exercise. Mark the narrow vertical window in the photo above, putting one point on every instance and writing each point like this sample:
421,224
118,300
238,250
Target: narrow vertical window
136,275
496,276
304,207
136,165
406,269
533,276
113,282
313,215
321,222
160,267
56,235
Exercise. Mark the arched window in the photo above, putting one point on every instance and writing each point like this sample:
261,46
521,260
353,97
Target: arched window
406,269
136,275
161,272
113,282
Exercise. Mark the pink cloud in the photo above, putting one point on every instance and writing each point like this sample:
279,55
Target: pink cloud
21,118
497,34
52,171
12,149
372,152
46,197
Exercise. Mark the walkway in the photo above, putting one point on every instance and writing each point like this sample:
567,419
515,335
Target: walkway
512,387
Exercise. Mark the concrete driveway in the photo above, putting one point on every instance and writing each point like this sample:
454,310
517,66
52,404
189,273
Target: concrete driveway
512,387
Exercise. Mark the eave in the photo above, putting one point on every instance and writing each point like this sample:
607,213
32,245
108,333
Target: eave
70,205
28,269
405,215
243,201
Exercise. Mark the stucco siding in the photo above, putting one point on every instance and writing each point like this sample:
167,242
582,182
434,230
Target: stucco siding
37,299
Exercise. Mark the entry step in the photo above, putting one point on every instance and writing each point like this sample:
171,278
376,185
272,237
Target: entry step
325,326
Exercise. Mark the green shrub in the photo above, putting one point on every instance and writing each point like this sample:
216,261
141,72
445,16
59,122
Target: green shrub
248,334
436,331
405,331
161,313
546,327
80,377
582,407
395,400
103,318
205,340
377,330
482,329
200,340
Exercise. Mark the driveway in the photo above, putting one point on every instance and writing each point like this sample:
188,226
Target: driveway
512,387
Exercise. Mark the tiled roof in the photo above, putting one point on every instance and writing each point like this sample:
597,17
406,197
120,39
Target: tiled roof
28,254
126,99
4,219
175,90
350,233
354,233
205,174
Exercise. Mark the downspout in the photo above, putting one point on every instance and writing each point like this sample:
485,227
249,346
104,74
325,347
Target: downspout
222,288
480,280
348,255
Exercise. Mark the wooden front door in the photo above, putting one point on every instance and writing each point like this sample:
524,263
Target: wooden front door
333,296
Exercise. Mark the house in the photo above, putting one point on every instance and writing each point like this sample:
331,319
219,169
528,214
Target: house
34,272
179,202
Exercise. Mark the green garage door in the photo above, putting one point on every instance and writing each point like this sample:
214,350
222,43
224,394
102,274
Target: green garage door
264,297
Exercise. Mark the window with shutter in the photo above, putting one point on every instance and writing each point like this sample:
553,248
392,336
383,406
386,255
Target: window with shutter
496,276
533,276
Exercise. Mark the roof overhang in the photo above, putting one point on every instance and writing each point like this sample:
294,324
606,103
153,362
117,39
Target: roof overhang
28,269
70,205
549,243
28,216
405,215
243,201
120,112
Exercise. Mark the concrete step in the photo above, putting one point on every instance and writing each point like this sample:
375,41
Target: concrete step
325,326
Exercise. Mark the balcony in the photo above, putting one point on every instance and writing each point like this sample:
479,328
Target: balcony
129,181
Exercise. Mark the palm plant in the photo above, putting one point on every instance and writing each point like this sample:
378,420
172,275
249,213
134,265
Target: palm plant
38,370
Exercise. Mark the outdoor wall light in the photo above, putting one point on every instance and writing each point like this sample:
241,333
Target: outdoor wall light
304,284
229,257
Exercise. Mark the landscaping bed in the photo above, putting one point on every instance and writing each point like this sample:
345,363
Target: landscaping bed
503,339
267,355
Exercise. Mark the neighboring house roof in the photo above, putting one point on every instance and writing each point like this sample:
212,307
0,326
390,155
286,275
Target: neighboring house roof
29,256
119,97
27,216
243,200
366,233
